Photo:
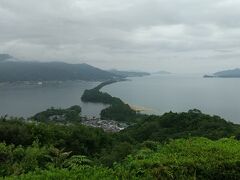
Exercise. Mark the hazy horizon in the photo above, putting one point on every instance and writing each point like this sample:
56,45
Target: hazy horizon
179,36
13,59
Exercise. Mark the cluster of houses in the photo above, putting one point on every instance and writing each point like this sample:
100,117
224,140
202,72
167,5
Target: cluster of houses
106,125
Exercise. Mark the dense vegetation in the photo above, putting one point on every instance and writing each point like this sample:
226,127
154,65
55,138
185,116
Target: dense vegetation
182,125
193,158
75,137
72,114
40,150
117,110
186,159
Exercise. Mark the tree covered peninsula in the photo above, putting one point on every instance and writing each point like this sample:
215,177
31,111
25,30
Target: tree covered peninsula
117,110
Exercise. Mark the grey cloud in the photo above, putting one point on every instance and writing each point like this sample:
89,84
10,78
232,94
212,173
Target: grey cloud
144,34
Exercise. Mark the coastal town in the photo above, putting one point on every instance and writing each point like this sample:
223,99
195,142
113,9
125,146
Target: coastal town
106,125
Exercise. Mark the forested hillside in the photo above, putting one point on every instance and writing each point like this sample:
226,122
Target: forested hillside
11,71
146,149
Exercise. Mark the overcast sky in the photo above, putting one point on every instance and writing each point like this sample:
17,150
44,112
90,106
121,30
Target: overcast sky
174,35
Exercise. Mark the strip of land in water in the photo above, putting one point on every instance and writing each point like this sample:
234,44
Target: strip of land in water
117,110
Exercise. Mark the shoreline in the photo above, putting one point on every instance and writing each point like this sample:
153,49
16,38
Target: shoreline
140,109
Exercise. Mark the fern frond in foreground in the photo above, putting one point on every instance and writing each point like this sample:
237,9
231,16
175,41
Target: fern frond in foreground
193,158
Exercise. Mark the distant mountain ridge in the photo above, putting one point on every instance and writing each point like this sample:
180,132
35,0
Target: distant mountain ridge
129,73
4,57
162,72
228,73
233,73
12,71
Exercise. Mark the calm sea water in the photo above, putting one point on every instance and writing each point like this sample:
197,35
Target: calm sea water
26,100
155,94
163,93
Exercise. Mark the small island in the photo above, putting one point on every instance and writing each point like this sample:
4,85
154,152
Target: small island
233,73
209,76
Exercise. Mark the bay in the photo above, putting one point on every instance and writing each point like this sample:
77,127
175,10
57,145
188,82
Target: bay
26,99
157,94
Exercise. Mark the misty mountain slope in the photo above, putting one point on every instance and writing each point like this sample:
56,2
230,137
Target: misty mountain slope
228,73
50,71
4,57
